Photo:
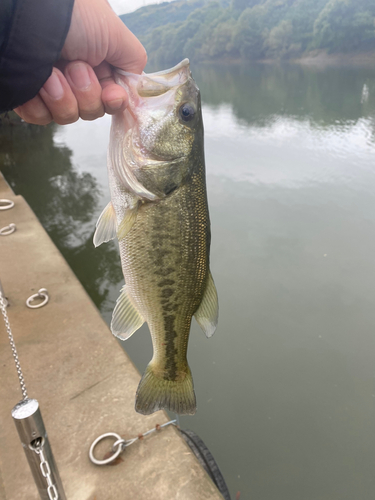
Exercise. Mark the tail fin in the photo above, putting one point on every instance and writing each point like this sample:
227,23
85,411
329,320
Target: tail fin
155,393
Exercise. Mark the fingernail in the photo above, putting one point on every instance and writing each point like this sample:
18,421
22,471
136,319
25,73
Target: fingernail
80,76
115,104
53,87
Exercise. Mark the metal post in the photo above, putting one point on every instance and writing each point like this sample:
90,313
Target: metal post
34,439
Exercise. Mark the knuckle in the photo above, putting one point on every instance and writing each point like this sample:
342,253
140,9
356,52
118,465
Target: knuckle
45,121
90,115
61,121
66,117
36,116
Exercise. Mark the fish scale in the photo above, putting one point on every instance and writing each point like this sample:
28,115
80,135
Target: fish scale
159,213
174,253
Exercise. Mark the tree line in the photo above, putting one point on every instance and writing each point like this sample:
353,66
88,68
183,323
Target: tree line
252,29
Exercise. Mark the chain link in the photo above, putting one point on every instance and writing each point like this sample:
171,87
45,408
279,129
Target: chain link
46,470
13,345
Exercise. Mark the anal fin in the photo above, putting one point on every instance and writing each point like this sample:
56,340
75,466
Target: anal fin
207,313
106,226
125,318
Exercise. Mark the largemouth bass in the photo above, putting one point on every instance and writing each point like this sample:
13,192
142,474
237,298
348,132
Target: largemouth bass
159,213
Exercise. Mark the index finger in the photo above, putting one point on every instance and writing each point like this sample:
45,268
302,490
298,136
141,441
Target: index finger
114,97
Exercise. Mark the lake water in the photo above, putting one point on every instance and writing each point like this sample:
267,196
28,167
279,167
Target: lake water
286,386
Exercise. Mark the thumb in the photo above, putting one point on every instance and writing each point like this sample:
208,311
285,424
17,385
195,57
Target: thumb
125,51
96,34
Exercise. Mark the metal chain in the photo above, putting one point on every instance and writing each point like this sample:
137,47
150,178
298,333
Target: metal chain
13,345
46,470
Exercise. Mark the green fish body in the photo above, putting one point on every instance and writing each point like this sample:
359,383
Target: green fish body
159,213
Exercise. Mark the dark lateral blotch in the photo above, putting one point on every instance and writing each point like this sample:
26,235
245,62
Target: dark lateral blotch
166,282
167,292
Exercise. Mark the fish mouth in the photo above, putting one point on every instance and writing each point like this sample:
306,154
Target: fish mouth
132,153
160,82
170,72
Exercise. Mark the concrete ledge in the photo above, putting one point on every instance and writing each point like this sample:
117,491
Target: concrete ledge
83,380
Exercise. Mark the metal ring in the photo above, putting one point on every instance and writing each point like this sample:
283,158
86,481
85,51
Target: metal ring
42,294
6,204
107,460
4,231
38,448
119,442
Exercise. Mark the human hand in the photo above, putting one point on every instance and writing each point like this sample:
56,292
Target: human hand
82,85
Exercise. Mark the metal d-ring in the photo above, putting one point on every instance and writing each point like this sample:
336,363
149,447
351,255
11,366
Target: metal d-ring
119,442
6,204
38,445
4,231
42,294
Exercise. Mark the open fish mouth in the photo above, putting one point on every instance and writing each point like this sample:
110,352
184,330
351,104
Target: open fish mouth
160,82
148,92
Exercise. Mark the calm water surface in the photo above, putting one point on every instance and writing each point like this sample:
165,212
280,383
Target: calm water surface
285,388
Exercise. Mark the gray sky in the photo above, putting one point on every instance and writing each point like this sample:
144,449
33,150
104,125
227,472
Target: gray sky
124,6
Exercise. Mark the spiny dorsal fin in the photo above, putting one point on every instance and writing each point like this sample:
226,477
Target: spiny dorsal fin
127,222
106,226
208,312
125,318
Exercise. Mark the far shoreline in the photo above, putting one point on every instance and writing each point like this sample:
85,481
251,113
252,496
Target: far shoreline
318,59
324,59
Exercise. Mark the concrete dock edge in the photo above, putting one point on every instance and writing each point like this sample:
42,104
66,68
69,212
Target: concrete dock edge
83,380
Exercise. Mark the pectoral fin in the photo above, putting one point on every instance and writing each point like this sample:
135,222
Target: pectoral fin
125,319
127,222
208,312
106,226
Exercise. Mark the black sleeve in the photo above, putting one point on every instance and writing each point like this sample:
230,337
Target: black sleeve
6,12
32,35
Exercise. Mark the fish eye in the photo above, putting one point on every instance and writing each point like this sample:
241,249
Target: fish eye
187,112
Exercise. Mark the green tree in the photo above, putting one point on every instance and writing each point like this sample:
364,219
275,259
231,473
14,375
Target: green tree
279,40
220,42
345,25
250,33
252,29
